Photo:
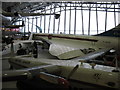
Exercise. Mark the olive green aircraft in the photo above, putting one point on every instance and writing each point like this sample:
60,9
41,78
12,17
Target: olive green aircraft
68,61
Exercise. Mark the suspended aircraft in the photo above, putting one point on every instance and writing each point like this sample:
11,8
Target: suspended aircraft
67,61
8,23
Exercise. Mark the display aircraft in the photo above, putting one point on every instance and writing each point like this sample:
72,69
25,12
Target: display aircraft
62,43
67,61
70,73
21,14
8,23
70,46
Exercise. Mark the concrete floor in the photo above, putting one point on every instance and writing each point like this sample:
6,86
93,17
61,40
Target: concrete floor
10,84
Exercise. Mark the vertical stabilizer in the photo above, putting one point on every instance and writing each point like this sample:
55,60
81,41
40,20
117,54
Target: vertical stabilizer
114,32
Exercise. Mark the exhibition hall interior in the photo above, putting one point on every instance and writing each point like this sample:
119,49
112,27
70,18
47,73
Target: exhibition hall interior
64,45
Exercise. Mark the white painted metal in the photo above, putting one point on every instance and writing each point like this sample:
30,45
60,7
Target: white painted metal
64,52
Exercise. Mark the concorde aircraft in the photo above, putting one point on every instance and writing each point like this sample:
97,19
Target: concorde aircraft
68,61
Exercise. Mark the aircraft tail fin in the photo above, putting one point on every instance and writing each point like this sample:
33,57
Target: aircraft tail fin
114,32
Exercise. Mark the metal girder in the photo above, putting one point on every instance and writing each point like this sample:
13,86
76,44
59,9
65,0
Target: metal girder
33,6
